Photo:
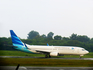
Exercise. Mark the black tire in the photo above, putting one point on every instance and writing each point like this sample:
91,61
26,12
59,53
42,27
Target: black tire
46,56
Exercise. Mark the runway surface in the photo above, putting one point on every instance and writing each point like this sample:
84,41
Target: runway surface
44,68
46,58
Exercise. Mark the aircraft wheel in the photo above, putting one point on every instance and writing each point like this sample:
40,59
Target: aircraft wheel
46,56
80,57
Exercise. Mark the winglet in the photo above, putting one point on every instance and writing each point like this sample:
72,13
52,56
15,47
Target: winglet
47,44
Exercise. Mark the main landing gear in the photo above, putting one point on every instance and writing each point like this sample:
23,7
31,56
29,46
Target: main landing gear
47,56
80,57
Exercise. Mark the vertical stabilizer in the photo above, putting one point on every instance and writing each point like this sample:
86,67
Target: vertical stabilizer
18,43
15,39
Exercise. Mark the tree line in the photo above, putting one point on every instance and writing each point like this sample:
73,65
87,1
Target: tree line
34,38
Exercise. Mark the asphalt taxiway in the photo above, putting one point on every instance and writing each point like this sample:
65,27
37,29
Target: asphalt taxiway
44,68
46,58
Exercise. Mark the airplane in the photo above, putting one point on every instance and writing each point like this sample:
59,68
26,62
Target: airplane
47,50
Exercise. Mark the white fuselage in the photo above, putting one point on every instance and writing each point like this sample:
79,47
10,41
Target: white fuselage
70,50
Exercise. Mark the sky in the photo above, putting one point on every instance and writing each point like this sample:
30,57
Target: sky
62,17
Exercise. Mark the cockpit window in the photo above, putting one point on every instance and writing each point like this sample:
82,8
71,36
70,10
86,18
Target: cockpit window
83,49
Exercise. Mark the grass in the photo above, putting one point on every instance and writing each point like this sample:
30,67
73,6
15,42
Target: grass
19,53
45,62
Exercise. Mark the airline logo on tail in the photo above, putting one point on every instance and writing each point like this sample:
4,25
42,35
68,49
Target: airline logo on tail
18,43
15,39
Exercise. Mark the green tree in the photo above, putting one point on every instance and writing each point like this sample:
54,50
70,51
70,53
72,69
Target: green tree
57,37
65,38
32,34
83,38
91,40
73,36
50,35
44,36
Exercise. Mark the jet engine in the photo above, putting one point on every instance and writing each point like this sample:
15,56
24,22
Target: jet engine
54,54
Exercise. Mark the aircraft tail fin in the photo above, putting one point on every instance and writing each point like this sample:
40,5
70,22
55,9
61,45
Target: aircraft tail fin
15,39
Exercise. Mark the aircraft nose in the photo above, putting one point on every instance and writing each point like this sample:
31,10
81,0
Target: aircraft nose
87,51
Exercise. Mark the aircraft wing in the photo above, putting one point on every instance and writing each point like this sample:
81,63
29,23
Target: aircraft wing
36,50
40,51
43,51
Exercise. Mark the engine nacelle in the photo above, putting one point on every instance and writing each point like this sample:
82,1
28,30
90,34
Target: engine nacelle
54,54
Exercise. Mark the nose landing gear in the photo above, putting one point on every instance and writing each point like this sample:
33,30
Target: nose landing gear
80,56
47,56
